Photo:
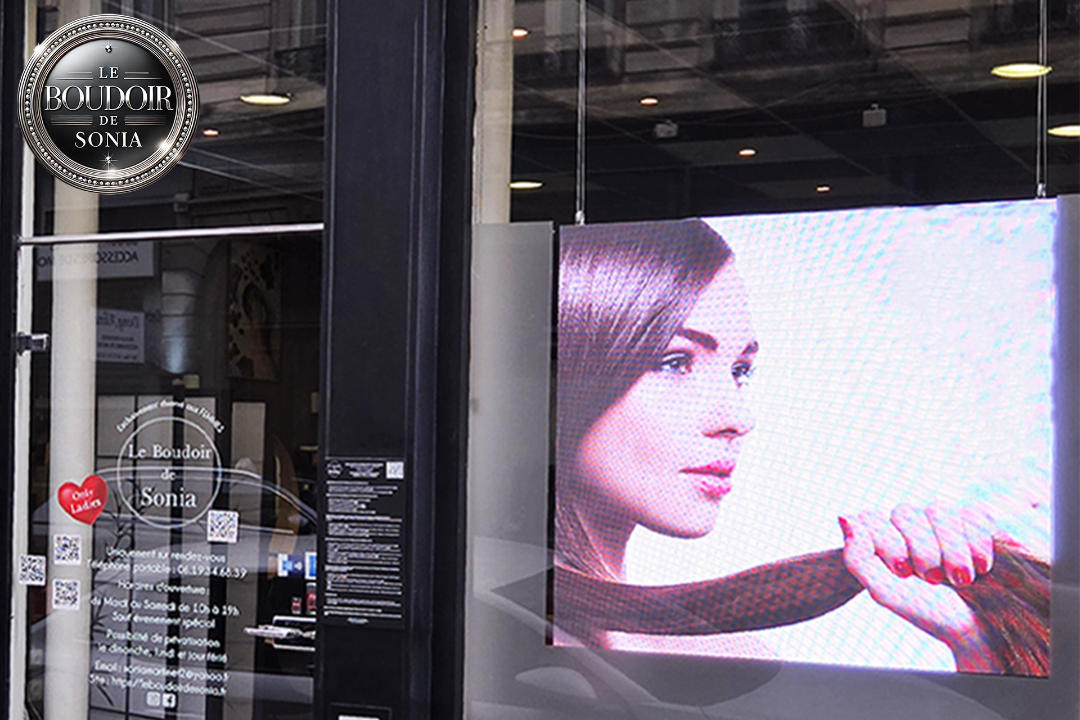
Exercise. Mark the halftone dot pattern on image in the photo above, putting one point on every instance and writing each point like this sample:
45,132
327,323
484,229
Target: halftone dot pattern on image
905,357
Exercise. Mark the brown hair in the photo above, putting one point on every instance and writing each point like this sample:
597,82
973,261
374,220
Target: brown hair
1012,603
624,291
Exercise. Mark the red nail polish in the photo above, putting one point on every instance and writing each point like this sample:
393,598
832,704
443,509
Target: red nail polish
982,564
904,569
961,577
845,526
935,576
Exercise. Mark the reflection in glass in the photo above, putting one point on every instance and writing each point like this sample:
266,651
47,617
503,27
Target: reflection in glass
261,164
172,479
675,89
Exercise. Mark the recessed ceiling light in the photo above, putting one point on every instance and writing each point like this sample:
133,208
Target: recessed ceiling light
823,189
211,132
1021,70
1067,131
526,185
649,100
519,32
747,152
265,99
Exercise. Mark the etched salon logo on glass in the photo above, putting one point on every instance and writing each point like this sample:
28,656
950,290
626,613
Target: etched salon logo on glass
109,103
169,471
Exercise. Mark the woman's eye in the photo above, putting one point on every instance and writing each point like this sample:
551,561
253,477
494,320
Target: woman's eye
742,372
676,363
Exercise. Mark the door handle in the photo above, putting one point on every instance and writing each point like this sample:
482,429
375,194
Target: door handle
31,342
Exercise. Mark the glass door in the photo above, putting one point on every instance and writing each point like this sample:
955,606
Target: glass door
166,530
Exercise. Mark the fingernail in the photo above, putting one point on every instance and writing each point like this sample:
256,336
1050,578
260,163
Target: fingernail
961,577
982,563
845,526
935,576
903,568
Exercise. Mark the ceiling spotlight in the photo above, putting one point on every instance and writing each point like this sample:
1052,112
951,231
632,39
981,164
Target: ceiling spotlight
649,100
265,99
211,132
526,185
1065,131
823,189
519,32
1021,70
747,152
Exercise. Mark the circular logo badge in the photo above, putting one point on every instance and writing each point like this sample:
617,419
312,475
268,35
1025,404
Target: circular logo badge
165,482
109,103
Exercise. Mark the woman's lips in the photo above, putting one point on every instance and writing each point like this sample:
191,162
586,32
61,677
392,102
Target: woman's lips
714,479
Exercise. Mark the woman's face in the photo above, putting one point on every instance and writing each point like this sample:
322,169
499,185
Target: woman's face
662,456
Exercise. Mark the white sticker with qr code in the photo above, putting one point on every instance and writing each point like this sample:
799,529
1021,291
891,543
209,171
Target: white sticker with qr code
395,470
67,549
223,526
32,570
65,594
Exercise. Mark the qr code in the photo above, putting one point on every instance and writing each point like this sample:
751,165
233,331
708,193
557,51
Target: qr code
65,594
32,570
395,470
222,526
67,549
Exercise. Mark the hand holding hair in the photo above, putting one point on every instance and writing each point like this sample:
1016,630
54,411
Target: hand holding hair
1010,604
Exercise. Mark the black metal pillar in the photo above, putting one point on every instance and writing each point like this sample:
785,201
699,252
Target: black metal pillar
385,120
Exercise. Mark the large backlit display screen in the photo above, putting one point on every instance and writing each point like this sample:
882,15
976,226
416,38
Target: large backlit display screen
760,418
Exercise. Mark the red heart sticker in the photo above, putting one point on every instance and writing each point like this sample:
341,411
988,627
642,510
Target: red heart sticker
85,502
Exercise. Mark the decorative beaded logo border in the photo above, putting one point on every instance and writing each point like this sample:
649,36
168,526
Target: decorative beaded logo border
116,27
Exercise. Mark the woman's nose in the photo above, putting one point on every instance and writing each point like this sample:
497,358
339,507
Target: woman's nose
728,414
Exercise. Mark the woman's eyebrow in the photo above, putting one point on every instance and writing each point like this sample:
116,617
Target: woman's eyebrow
708,342
705,340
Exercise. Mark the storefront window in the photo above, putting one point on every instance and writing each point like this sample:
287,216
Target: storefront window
168,535
250,164
167,420
749,285
730,107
